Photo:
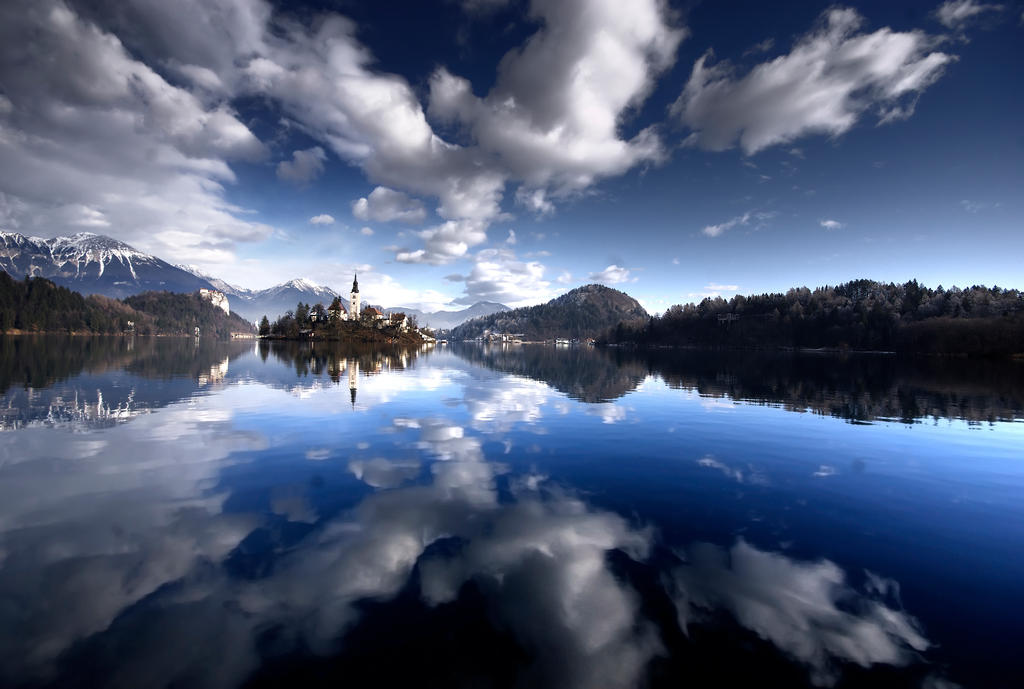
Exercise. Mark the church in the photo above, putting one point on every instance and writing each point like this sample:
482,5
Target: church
337,311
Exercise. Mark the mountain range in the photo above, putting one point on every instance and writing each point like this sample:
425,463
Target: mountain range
96,264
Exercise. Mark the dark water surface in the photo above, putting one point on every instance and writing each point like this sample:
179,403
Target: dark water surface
192,514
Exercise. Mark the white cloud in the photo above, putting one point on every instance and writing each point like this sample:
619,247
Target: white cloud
511,239
498,275
832,224
956,14
386,205
976,206
824,85
535,200
136,153
716,287
612,275
322,219
719,229
366,231
305,165
445,242
554,114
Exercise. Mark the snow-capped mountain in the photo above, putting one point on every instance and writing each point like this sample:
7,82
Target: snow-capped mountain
225,287
445,320
273,302
95,264
92,264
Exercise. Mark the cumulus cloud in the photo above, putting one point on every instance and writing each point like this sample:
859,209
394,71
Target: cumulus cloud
366,231
553,115
445,242
305,165
136,152
322,219
612,275
386,205
831,78
956,14
832,224
499,275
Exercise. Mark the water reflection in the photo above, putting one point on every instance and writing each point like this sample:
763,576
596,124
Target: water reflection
852,387
261,526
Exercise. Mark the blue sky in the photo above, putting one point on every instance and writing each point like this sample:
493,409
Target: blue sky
510,150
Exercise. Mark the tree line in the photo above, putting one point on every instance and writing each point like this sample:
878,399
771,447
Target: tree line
859,315
38,305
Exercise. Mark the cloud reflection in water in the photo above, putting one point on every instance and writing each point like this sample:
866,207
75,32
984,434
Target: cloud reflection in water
155,600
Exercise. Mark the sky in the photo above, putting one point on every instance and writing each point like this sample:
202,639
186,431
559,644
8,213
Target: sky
453,151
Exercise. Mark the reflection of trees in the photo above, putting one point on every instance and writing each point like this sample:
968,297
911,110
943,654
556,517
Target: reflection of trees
32,370
582,373
857,388
38,361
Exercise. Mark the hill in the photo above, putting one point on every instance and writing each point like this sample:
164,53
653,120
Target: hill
858,315
39,305
584,312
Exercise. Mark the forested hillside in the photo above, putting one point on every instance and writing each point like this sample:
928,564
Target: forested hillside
179,314
861,314
38,305
586,311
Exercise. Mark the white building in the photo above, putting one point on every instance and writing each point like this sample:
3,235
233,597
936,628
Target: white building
218,299
353,301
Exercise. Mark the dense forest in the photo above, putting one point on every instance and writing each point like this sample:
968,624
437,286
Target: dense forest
180,314
584,312
314,323
859,315
37,305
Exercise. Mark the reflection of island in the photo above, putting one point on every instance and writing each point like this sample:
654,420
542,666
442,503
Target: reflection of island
353,379
338,360
856,387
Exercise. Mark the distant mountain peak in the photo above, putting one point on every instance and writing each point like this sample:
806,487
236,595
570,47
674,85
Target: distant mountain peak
305,284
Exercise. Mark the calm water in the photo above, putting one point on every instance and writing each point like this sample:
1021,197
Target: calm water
188,514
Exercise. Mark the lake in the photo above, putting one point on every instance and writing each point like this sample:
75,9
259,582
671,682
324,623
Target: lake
196,514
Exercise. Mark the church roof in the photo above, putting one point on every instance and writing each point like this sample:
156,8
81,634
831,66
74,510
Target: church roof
355,283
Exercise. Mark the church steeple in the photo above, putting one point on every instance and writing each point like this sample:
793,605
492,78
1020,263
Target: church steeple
353,299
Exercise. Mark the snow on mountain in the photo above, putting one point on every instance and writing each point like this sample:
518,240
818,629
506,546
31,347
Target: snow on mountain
92,264
225,287
95,264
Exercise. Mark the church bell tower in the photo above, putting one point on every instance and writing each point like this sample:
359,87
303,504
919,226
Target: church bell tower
353,301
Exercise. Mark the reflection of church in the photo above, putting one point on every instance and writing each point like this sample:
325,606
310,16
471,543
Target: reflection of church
353,379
